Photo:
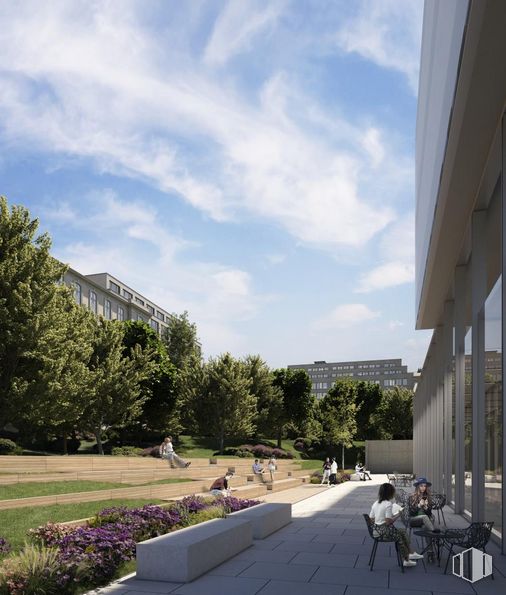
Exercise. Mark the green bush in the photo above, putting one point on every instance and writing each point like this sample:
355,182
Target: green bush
36,570
127,451
8,447
244,454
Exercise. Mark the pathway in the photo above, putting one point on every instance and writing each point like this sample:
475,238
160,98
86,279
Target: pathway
324,551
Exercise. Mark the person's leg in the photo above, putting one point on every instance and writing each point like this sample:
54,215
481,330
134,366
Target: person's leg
170,460
427,523
403,543
179,461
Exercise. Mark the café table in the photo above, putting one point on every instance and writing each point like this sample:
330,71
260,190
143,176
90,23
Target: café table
437,541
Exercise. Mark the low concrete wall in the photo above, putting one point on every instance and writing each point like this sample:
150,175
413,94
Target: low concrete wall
386,456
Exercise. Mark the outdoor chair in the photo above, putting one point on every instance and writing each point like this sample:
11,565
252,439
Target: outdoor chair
391,478
438,503
382,534
477,535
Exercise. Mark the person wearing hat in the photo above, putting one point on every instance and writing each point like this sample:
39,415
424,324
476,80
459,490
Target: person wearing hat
420,505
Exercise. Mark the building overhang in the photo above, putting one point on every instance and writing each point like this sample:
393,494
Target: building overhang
472,159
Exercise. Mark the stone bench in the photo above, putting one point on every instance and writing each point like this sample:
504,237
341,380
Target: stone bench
265,518
186,554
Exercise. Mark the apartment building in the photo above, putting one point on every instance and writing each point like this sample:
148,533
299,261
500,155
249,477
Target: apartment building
109,297
459,408
385,372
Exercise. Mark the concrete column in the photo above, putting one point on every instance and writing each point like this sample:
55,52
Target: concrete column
503,311
448,356
479,295
460,332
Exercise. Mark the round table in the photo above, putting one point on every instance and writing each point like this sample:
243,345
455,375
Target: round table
438,539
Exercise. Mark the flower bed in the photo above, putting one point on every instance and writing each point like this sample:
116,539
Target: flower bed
68,560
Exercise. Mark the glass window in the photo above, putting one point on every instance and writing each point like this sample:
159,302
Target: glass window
121,313
114,287
93,301
139,301
139,317
468,420
493,407
159,315
78,292
126,294
154,324
151,309
107,309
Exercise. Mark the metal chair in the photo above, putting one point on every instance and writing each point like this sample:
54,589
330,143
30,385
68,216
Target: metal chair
382,534
477,535
438,503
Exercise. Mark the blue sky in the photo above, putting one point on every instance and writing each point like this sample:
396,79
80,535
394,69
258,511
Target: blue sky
251,162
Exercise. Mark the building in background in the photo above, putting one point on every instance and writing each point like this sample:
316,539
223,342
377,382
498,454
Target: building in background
106,296
385,372
459,407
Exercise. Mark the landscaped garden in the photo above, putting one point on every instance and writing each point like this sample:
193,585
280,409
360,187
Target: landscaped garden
59,559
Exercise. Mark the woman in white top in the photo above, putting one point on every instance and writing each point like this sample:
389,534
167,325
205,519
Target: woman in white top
333,472
382,514
271,466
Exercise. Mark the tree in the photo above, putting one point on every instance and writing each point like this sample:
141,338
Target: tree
181,341
115,394
183,348
28,290
338,410
393,418
160,389
269,398
225,406
296,401
60,391
368,399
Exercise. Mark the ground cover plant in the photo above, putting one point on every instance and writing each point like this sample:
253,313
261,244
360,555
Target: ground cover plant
69,560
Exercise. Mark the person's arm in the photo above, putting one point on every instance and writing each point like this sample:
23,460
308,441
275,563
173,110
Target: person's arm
390,518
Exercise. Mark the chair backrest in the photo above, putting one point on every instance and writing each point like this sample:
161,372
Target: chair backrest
438,501
369,524
478,534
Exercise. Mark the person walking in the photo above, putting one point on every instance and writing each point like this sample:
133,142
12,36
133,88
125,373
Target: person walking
271,466
382,514
333,472
326,471
167,452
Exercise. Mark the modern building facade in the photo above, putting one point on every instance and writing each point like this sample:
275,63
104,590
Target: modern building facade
106,296
385,372
459,407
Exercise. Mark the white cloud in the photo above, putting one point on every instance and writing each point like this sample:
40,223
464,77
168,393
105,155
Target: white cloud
395,324
388,33
275,258
346,315
397,250
237,25
185,130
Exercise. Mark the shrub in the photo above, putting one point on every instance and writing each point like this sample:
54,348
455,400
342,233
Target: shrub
315,479
56,445
5,548
127,451
302,444
151,451
279,453
262,452
35,570
243,454
8,447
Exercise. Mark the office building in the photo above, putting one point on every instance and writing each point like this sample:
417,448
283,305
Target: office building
385,372
459,407
109,297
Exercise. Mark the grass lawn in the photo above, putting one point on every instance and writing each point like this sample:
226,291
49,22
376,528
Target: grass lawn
205,447
15,523
53,488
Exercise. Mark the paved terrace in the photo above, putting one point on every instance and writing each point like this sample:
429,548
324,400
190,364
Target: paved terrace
324,551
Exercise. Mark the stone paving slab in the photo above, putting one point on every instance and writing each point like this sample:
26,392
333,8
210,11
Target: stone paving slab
333,560
211,585
256,555
286,572
351,576
291,588
147,587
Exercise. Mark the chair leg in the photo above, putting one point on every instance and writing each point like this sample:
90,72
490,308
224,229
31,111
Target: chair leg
449,556
399,557
443,515
373,554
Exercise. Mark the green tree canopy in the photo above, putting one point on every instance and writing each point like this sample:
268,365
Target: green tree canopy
115,397
181,341
368,398
296,402
160,390
225,406
28,289
393,418
338,411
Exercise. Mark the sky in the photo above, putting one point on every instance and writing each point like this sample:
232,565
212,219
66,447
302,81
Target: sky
250,162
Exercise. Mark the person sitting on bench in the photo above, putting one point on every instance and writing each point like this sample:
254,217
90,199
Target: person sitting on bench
361,471
220,485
